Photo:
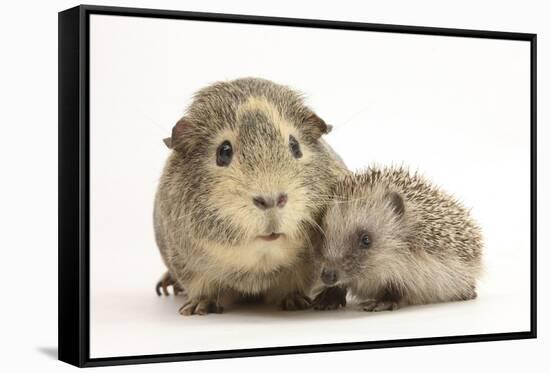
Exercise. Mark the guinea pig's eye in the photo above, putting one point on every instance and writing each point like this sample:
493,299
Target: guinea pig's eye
294,147
224,154
364,241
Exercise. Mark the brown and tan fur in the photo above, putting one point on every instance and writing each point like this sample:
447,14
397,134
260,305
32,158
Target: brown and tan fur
207,226
423,245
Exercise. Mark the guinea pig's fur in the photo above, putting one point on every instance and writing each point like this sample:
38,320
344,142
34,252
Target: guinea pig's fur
208,220
421,244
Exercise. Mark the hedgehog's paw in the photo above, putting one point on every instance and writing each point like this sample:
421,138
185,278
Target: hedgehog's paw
200,307
165,282
330,299
374,305
295,301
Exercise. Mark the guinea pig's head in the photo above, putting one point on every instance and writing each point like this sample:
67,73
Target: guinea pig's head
365,228
249,158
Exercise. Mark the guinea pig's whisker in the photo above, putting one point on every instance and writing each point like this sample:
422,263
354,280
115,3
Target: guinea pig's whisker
182,217
318,228
303,232
350,200
240,182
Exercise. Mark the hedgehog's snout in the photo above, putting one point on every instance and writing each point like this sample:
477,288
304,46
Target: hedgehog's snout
329,276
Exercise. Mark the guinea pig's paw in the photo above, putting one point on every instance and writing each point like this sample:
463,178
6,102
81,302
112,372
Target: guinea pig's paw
200,307
296,301
374,305
330,299
165,282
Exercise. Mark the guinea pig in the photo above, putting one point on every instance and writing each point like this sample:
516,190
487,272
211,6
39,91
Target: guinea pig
393,239
241,197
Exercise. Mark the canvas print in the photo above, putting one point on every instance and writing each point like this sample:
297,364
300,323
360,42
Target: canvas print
263,186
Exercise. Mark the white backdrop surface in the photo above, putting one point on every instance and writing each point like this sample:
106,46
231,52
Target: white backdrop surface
455,109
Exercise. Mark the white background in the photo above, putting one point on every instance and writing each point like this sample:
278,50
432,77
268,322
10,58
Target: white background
457,109
29,187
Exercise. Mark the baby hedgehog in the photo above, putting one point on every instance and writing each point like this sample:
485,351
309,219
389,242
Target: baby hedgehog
393,239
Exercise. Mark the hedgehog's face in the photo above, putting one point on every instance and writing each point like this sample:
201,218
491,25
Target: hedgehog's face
361,235
261,178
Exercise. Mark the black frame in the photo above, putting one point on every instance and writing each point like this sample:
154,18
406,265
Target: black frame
74,187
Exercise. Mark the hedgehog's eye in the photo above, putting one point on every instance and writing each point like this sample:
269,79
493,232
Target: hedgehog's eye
364,241
224,154
294,147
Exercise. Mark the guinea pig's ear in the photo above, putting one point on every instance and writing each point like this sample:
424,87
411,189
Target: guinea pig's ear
396,203
168,142
178,132
315,126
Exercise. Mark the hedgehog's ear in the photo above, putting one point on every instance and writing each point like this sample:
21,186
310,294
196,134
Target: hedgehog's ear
178,132
315,126
396,203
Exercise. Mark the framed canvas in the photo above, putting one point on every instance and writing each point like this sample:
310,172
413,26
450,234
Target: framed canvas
312,173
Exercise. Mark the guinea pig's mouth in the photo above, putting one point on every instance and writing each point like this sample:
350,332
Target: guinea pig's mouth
271,237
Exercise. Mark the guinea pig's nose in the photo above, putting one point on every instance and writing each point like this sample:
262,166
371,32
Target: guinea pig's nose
282,200
329,276
264,203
